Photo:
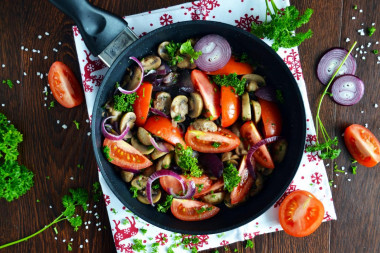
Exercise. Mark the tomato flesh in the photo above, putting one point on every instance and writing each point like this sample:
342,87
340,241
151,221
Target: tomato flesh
163,128
64,85
141,105
192,210
233,66
239,193
230,106
125,156
362,145
209,92
205,142
271,116
252,136
301,213
202,184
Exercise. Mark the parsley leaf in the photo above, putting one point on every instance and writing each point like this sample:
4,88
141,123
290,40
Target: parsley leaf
249,244
280,28
187,161
231,177
231,80
216,144
9,83
175,49
326,149
371,31
166,205
134,190
96,191
76,124
124,102
106,152
187,48
138,245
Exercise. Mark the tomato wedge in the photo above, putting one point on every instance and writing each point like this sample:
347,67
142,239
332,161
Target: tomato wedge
141,105
220,141
239,193
209,92
301,213
362,145
202,184
271,117
192,210
64,85
125,156
163,128
230,106
252,136
232,66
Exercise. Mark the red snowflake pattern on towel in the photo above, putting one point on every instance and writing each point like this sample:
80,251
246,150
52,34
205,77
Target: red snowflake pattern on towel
91,77
196,241
246,21
162,238
293,61
201,9
166,19
107,199
316,178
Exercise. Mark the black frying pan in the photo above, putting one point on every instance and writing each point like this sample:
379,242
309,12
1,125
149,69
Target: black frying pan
99,29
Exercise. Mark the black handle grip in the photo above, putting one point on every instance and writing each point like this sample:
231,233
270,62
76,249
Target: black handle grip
97,27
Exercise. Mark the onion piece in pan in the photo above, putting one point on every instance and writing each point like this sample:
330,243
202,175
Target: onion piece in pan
250,160
158,112
141,78
347,90
159,146
216,52
190,191
158,174
266,93
110,136
331,60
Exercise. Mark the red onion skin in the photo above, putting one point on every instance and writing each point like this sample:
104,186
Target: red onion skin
112,136
158,112
267,93
190,191
161,148
338,87
141,78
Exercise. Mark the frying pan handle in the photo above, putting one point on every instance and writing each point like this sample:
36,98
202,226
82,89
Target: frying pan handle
98,28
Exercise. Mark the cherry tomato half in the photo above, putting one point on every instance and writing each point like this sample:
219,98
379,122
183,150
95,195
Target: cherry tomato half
271,117
230,106
220,141
192,210
125,156
202,184
362,145
301,213
233,66
64,85
239,193
141,105
163,128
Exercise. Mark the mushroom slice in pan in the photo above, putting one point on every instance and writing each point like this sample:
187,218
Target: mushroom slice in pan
151,62
162,102
145,150
256,111
126,176
128,119
246,107
149,171
162,52
179,108
186,63
157,154
214,198
205,125
116,114
142,196
195,105
143,136
132,82
140,182
253,82
167,160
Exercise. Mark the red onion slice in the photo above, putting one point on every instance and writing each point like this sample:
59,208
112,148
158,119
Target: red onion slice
189,193
347,90
159,146
330,62
158,112
112,136
267,93
216,52
141,78
158,174
250,160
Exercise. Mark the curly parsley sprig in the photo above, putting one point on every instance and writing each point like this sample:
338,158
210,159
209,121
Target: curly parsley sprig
281,28
187,161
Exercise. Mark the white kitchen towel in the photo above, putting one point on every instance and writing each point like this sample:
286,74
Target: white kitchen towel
311,175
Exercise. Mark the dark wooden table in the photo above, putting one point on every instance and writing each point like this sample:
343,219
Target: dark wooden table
50,151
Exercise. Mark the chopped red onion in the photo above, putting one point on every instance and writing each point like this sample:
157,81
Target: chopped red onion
158,112
267,93
141,78
189,193
159,146
112,136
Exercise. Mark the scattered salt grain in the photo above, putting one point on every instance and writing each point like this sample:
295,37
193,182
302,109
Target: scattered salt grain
38,73
365,52
45,98
34,50
361,51
376,105
343,168
348,39
366,125
357,49
353,18
377,43
22,47
24,73
87,121
38,51
55,50
47,34
361,32
71,239
362,46
85,223
2,105
64,126
345,173
71,178
55,238
349,179
95,207
88,133
334,185
356,55
360,10
363,58
3,65
81,246
362,23
86,227
45,105
369,44
45,57
17,81
58,121
90,211
41,76
86,240
31,59
337,175
26,49
373,24
50,207
59,43
39,36
64,240
99,229
89,222
87,211
327,165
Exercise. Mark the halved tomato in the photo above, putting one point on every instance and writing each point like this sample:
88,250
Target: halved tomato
271,117
192,210
220,141
202,184
362,145
141,105
233,66
163,128
301,213
125,156
252,136
239,193
230,106
210,93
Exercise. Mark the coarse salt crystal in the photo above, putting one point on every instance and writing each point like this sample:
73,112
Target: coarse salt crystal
366,125
361,111
369,44
39,36
85,223
365,52
71,239
64,240
356,55
377,43
45,98
64,126
334,185
45,57
363,58
58,121
38,73
362,46
71,178
345,173
360,10
327,165
26,49
2,105
373,24
375,105
349,179
59,43
353,18
86,227
337,174
24,73
87,121
55,50
55,238
95,207
81,246
22,47
34,50
99,229
45,105
89,222
50,207
86,240
348,39
88,133
3,65
357,49
31,59
47,34
343,168
41,76
17,81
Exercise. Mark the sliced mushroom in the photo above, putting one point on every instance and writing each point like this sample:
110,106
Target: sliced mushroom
145,150
162,52
142,196
258,186
205,125
231,158
170,79
179,108
246,107
143,136
186,63
159,164
195,105
256,111
157,154
113,112
134,80
128,119
279,150
151,62
149,171
139,182
240,150
253,82
162,102
167,160
214,198
126,176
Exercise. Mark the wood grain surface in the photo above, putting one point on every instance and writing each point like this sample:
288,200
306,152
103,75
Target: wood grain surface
50,151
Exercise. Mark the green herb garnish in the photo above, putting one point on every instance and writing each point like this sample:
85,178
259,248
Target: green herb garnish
9,83
375,51
177,118
69,246
216,144
187,48
124,102
281,28
174,49
138,245
134,190
143,231
106,152
76,124
96,191
164,207
51,105
203,209
231,80
354,169
249,244
231,177
279,96
187,161
355,7
371,31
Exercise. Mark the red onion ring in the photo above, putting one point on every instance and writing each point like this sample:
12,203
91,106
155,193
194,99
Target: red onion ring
250,160
112,136
216,52
141,78
159,146
158,174
347,90
158,112
191,189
